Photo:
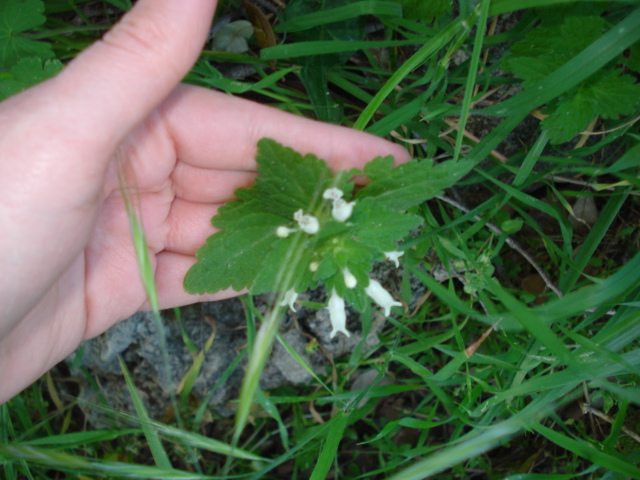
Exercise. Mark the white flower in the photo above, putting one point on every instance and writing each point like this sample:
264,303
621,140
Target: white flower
349,280
313,266
333,193
289,299
341,209
283,232
337,314
381,296
394,256
308,223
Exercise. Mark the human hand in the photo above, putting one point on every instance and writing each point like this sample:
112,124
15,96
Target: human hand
69,270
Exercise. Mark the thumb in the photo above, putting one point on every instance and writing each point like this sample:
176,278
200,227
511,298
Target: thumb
58,136
119,80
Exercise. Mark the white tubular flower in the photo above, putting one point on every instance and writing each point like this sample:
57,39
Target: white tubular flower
394,256
337,314
341,209
289,299
283,232
333,193
379,295
308,223
349,280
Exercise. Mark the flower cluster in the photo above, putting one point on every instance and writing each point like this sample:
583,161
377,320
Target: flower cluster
341,211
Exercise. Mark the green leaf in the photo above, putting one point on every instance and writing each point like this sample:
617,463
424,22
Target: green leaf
232,37
511,226
287,178
609,95
550,46
379,227
410,183
568,38
633,60
533,69
569,118
251,250
16,17
26,73
233,257
614,94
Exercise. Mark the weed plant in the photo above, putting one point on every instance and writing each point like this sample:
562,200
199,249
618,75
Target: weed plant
522,359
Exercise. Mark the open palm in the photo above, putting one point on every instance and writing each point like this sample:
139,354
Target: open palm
70,271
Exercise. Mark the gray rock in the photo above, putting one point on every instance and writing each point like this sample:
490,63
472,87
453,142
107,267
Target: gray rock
138,342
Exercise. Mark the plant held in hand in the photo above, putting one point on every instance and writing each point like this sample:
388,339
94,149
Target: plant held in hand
300,226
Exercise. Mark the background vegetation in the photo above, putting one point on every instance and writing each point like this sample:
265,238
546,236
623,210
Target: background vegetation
522,359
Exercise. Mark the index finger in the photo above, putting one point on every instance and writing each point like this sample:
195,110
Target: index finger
214,130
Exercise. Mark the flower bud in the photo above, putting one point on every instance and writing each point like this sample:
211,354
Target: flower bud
283,232
313,266
333,193
349,280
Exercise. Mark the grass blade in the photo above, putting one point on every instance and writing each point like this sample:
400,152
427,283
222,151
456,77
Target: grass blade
611,461
322,47
157,450
482,439
77,439
259,352
303,363
202,442
530,160
330,447
75,464
471,78
454,29
597,233
331,15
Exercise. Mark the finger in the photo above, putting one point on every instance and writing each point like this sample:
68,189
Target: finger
206,185
170,272
214,129
117,81
189,226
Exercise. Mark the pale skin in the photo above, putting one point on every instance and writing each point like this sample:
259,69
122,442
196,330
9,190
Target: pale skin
68,268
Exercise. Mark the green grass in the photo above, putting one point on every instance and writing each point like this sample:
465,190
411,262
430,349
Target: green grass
489,376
